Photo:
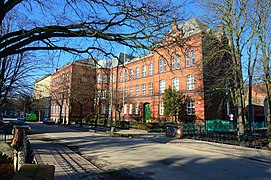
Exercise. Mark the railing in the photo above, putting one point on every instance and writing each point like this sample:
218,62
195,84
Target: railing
226,135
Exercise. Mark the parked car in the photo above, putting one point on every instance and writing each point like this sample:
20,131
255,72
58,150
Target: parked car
48,121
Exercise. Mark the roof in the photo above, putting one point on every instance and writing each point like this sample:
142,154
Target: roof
121,59
191,27
40,79
89,62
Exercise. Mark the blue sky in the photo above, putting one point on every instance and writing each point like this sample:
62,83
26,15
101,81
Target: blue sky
61,58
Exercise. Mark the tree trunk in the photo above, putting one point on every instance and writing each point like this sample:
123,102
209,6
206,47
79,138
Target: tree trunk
250,106
60,114
81,114
268,113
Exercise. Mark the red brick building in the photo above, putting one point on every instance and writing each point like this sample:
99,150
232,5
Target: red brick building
132,88
259,105
138,83
73,91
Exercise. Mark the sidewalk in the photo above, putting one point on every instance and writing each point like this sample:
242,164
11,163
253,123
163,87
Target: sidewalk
68,164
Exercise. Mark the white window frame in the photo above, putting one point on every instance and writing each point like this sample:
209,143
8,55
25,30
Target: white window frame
143,89
178,61
150,69
165,65
187,59
137,90
144,71
125,75
162,86
190,82
172,63
112,78
136,108
150,88
125,109
104,78
176,84
98,78
131,74
57,109
131,91
131,109
190,107
137,72
160,65
192,57
161,108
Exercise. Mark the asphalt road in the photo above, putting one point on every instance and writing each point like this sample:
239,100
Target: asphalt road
142,159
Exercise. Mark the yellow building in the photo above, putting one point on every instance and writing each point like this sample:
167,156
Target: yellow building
42,97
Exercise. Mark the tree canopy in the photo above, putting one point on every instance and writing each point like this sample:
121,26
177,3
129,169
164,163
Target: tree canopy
174,103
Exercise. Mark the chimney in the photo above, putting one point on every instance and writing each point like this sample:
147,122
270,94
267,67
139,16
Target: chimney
55,70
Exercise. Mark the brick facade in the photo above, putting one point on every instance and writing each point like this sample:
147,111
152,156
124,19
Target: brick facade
132,88
73,87
163,68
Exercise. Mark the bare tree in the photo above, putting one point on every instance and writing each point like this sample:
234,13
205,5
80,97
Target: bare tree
264,29
91,27
60,90
232,16
83,89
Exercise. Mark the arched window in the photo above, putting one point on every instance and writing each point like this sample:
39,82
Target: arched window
165,65
161,66
192,58
187,59
173,63
98,78
178,63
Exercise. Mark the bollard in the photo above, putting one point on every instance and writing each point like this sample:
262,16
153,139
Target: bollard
18,145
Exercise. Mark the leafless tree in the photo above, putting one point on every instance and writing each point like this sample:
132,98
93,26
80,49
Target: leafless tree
83,89
264,33
232,17
60,91
94,27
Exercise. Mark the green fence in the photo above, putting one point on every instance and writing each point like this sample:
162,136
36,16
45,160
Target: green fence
218,125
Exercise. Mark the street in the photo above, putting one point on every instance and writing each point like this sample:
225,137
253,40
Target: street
129,158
